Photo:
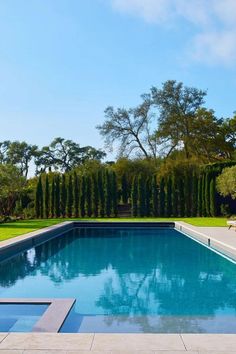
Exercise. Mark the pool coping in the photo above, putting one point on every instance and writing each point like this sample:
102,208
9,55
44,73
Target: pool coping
54,316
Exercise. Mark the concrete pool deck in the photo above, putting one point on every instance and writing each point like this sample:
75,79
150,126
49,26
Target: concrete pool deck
96,343
38,343
221,234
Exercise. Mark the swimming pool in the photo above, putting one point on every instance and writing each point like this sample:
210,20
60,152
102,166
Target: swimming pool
140,279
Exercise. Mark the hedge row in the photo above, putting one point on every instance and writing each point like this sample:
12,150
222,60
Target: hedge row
187,195
71,195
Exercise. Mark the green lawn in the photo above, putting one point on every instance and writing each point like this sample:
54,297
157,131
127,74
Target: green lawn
13,229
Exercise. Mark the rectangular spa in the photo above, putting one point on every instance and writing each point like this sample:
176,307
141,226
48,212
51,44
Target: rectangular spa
138,278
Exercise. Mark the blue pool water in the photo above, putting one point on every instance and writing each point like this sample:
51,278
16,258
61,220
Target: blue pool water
20,317
128,280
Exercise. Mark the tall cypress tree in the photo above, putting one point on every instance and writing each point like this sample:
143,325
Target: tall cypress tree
181,196
107,185
134,197
194,200
47,197
207,193
162,197
76,195
154,194
168,212
57,196
82,196
95,196
53,197
148,197
63,196
88,201
187,194
213,211
101,194
141,196
203,195
124,189
199,198
69,200
39,199
114,193
174,196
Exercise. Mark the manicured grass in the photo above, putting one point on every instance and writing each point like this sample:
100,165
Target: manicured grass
18,228
14,229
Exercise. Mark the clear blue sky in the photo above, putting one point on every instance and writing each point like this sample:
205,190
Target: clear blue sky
63,61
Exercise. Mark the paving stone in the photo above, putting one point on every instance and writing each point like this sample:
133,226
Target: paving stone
3,336
133,352
47,341
3,351
210,342
30,351
215,352
148,342
89,352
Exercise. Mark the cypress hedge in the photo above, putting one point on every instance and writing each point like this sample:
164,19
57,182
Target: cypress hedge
187,193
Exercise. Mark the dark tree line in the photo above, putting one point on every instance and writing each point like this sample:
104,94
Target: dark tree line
73,195
188,195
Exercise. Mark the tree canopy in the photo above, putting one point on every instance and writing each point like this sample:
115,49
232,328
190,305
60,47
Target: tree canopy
12,184
170,120
226,182
131,129
19,154
60,155
64,155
